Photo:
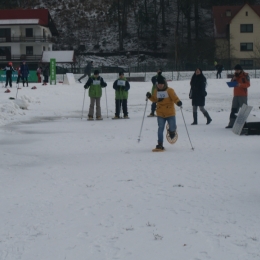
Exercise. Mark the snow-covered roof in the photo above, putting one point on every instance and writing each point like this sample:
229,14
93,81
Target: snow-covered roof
60,56
19,21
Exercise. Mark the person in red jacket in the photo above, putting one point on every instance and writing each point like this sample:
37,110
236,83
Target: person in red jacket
240,93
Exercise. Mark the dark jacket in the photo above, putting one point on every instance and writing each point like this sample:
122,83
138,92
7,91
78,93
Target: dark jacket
24,70
121,86
9,70
198,89
46,71
88,68
219,68
95,86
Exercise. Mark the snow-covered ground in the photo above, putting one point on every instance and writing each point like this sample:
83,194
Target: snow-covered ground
75,189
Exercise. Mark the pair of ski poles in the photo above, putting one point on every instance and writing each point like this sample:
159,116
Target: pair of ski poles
84,102
139,138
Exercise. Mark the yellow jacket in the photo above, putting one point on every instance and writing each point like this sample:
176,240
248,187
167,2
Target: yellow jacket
165,102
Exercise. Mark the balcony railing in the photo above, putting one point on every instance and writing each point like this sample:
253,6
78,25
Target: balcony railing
20,57
26,39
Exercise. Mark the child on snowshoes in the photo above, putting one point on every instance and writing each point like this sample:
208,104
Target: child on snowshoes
121,87
95,84
165,98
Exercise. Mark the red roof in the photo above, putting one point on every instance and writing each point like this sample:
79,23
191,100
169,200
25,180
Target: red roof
42,14
221,20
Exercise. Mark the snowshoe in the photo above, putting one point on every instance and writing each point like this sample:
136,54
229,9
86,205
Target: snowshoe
116,117
152,115
159,148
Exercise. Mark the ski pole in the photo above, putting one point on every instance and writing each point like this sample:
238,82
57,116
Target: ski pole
106,101
17,91
139,139
186,129
83,103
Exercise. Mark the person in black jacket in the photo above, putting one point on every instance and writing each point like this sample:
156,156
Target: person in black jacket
87,71
197,95
9,71
219,69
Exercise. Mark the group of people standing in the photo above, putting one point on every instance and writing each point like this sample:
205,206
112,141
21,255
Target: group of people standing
22,71
23,74
163,99
95,84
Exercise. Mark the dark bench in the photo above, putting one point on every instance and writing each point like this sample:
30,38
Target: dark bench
136,79
230,76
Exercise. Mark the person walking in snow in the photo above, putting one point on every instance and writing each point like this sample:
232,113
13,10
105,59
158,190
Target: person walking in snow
25,73
240,93
198,95
154,81
121,87
87,71
165,97
95,84
219,68
9,72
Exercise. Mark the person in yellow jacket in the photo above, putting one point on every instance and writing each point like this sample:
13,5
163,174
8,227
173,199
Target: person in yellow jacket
165,98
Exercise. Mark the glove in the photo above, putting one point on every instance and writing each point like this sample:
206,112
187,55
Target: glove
148,94
179,103
86,87
105,84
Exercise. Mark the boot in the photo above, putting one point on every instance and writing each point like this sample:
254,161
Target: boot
172,134
160,146
206,114
195,118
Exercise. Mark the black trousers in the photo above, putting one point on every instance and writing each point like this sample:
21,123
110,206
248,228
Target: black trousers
25,79
18,79
8,80
123,103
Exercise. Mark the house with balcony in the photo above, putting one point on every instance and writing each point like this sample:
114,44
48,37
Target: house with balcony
237,34
25,35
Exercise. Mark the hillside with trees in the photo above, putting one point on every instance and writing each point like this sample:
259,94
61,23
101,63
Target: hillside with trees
181,30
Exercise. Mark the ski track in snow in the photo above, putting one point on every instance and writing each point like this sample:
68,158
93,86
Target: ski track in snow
77,189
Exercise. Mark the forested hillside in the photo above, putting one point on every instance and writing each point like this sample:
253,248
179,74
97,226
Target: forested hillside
181,28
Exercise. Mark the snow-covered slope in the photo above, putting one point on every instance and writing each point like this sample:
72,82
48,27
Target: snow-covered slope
75,189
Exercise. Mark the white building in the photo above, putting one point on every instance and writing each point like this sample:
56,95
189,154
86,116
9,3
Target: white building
25,34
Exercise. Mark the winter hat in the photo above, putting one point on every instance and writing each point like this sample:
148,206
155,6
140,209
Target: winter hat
160,80
121,73
238,67
96,72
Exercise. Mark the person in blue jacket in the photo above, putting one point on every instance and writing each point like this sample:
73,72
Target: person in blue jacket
24,73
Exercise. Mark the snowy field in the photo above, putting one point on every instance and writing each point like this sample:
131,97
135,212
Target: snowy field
75,189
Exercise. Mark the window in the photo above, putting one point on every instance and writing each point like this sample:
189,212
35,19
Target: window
246,28
246,63
246,13
5,32
29,32
29,50
43,48
228,13
246,46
